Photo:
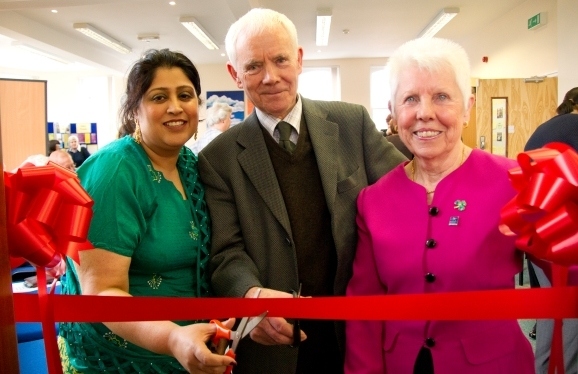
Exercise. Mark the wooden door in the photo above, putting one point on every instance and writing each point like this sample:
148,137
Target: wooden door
23,117
8,344
22,133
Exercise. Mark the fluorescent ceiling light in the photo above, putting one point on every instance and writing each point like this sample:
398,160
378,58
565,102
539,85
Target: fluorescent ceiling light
91,31
323,26
39,52
198,31
442,18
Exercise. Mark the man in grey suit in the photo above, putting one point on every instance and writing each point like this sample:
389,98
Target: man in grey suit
281,189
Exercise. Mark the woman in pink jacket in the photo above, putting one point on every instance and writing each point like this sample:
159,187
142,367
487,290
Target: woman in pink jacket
431,225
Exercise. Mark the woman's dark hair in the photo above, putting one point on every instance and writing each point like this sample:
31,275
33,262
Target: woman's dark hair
140,79
570,102
52,146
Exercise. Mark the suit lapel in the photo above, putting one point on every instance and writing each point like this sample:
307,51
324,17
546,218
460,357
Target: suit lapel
256,163
324,137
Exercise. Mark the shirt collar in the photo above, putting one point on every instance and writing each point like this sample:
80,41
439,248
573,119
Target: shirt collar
270,122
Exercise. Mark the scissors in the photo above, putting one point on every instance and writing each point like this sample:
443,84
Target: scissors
221,339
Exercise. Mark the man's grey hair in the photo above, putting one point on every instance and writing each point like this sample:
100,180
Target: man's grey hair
254,22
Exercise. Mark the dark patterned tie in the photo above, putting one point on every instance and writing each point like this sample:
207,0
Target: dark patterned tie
284,136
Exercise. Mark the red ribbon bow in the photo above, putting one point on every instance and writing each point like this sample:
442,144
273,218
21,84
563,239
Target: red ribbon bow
48,217
48,214
544,215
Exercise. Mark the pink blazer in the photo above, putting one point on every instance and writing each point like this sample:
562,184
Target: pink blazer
407,246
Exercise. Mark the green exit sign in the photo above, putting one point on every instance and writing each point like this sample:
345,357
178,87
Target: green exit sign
536,21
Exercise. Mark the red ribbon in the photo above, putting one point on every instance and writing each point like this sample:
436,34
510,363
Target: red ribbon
544,215
559,302
48,217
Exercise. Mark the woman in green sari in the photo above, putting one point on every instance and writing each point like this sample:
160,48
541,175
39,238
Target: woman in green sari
150,229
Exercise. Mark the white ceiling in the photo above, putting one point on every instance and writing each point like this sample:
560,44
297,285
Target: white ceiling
376,27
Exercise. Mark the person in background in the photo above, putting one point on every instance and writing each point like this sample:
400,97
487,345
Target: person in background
79,154
218,121
281,189
437,231
150,229
52,146
570,102
561,128
394,139
62,158
59,157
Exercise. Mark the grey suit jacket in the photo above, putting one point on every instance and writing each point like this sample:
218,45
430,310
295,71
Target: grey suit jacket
252,243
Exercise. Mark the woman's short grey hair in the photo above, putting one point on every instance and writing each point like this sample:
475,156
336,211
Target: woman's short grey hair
74,137
255,22
218,112
431,55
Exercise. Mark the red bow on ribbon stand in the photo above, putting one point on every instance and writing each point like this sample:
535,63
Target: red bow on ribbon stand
48,217
544,215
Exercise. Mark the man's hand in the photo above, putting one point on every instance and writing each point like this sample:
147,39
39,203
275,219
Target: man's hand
272,330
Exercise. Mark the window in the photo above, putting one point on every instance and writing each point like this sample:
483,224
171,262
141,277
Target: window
320,83
379,95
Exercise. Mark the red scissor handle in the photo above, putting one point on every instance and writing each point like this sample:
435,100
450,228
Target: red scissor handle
231,354
221,338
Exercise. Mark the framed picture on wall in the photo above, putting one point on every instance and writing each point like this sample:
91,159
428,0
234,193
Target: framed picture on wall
499,126
235,99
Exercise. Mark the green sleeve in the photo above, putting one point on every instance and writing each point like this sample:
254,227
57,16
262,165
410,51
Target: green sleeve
121,203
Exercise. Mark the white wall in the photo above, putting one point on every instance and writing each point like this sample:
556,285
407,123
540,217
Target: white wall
514,51
567,46
215,77
354,74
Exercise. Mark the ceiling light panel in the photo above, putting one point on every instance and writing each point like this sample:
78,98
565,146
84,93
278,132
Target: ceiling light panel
100,36
323,27
199,32
440,20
